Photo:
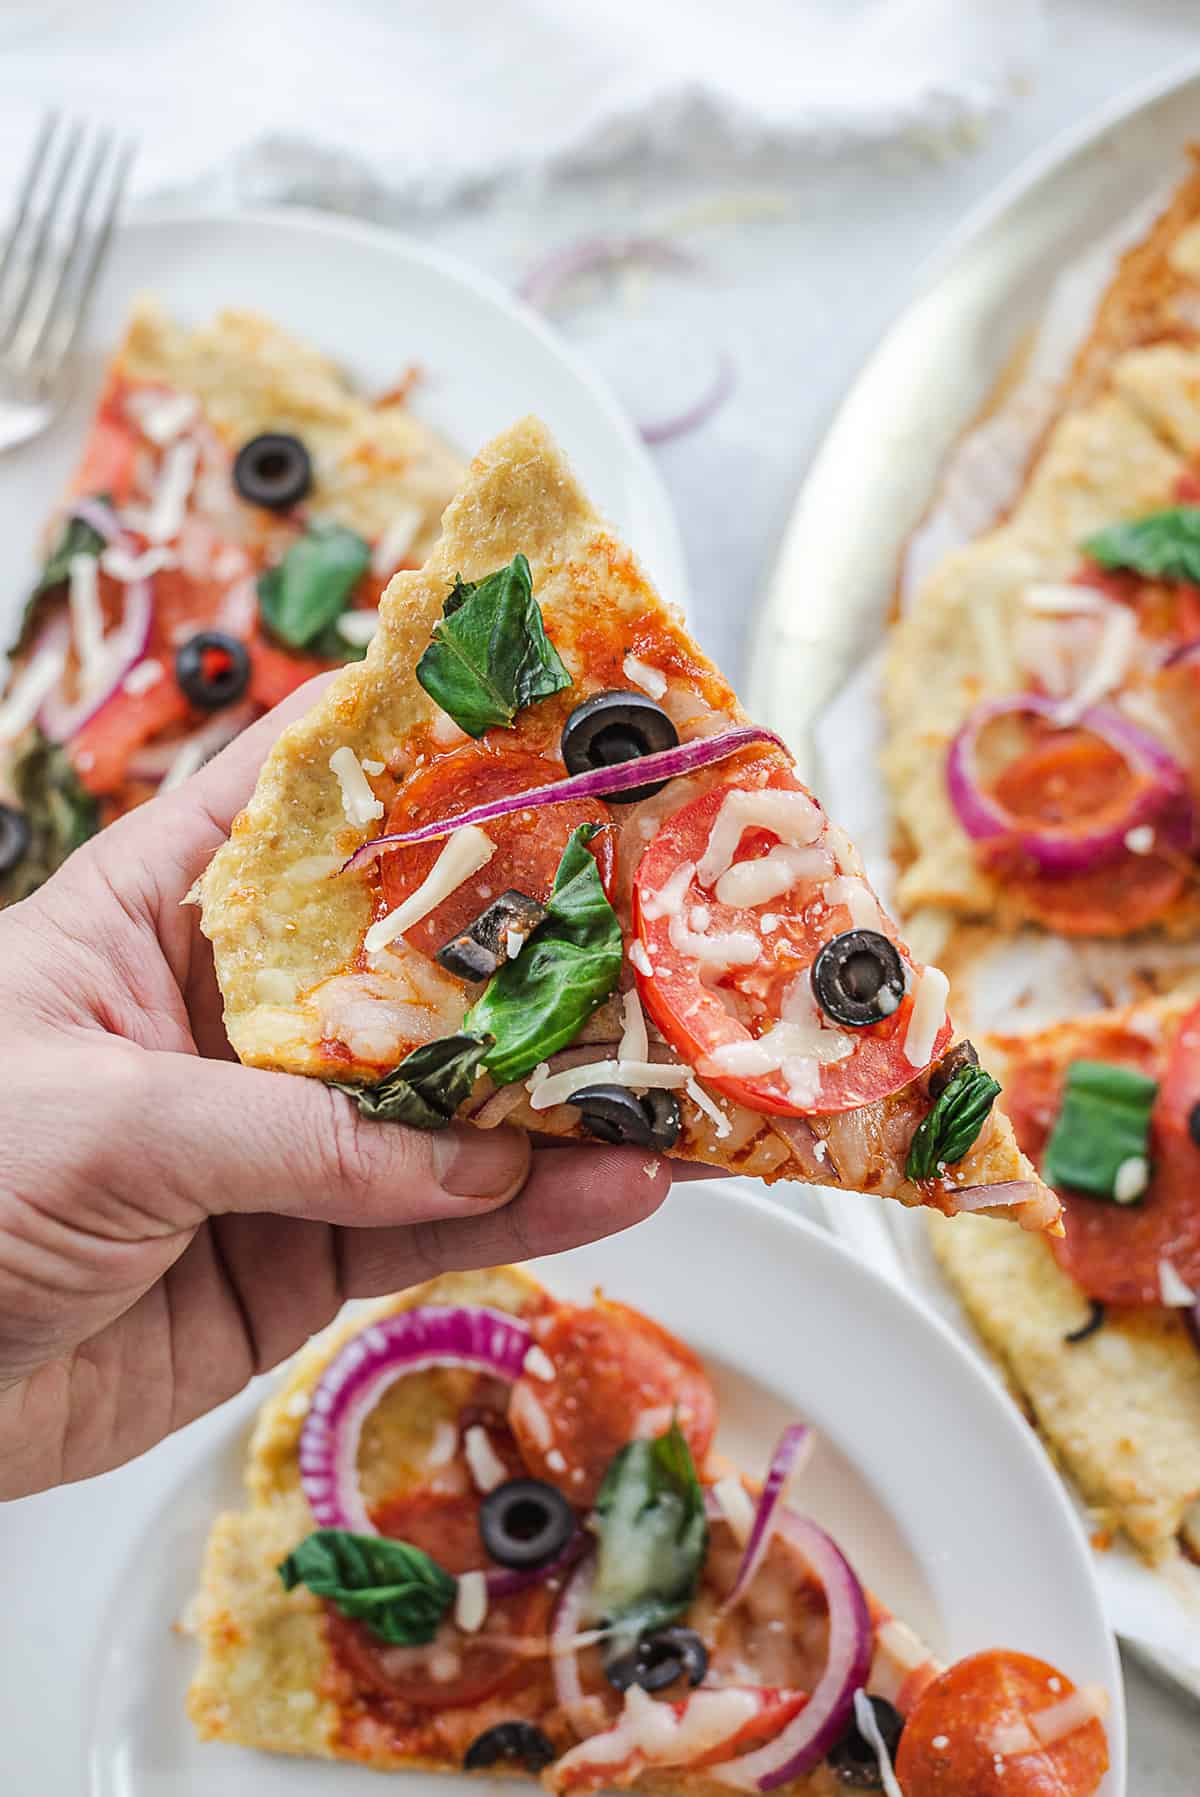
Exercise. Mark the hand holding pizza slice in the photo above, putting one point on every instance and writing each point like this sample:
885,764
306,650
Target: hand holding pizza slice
530,862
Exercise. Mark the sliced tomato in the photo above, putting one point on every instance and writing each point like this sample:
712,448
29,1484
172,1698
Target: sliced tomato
102,748
699,1015
1076,776
111,450
529,844
947,1748
617,1376
1112,1251
275,672
446,1526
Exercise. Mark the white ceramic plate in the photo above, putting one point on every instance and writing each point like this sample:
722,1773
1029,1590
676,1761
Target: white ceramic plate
924,1473
376,302
813,670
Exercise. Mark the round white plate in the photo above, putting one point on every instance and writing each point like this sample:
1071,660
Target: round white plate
376,302
815,663
923,1472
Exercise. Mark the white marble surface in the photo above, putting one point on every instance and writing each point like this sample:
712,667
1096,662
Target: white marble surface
804,266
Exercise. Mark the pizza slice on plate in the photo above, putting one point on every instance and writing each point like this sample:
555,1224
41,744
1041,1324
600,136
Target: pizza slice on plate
530,862
1100,1330
487,1531
237,512
1041,697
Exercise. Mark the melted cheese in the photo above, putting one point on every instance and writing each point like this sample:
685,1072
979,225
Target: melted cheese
853,892
358,801
638,1076
635,1042
1131,1179
640,960
927,1017
718,949
791,816
668,900
770,875
1174,1291
539,1364
1114,654
650,680
1061,599
659,1736
161,416
146,674
466,852
471,1602
486,1467
175,479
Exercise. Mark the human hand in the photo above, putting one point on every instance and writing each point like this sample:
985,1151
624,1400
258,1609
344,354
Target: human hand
171,1222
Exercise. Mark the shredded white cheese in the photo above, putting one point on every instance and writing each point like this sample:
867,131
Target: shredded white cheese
373,767
737,1506
358,626
30,687
468,850
661,1735
358,801
169,504
635,1042
640,960
558,1088
1131,1179
710,1109
144,675
539,1364
668,900
650,680
444,1442
927,1017
525,1409
1174,1291
396,540
125,567
471,1602
1118,639
161,416
1059,598
486,1467
791,816
868,1728
1140,840
859,900
769,876
87,620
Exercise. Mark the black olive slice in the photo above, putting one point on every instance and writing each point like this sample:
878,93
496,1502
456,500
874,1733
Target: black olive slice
273,470
1194,1123
963,1054
212,669
858,978
615,1114
1095,1321
14,837
525,1522
854,1759
658,1658
519,1742
480,949
613,727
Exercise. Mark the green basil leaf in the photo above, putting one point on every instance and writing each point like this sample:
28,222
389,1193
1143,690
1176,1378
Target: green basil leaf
538,1003
307,592
398,1591
75,538
1103,1123
1163,545
428,1085
60,813
490,655
653,1535
957,1116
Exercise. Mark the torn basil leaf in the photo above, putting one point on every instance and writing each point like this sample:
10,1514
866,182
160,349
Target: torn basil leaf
302,597
396,1589
59,811
957,1116
490,655
1103,1125
75,538
427,1086
653,1536
538,1003
1163,545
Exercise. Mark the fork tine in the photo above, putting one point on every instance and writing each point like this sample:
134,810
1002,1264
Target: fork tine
40,317
44,230
32,170
61,341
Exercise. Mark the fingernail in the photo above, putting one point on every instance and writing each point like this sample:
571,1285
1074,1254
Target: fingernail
480,1163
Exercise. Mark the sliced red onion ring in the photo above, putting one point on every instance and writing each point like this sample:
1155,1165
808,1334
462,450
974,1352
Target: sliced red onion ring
357,1377
503,1581
579,1710
124,647
99,516
1061,849
1192,1319
664,430
1184,655
807,1739
796,1441
666,764
592,255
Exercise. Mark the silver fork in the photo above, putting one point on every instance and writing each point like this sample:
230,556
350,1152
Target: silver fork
50,264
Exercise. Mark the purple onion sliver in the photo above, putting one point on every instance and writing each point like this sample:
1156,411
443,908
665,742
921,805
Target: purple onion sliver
505,1581
597,783
664,430
792,1443
124,647
356,1378
590,255
98,517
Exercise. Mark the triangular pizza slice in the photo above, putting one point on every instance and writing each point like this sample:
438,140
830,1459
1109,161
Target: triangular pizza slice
488,1531
530,862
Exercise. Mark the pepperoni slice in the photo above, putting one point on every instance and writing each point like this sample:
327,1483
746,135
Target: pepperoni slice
529,844
1113,1251
947,1748
700,1014
1076,775
617,1377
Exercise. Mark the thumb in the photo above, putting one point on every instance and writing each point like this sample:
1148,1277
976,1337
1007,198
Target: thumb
241,1139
